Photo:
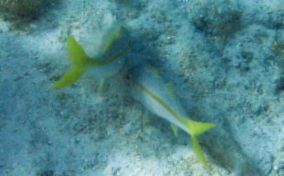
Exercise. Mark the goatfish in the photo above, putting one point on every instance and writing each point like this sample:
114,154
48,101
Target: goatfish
149,88
108,62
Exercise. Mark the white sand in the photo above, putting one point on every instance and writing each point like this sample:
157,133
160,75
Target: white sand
220,57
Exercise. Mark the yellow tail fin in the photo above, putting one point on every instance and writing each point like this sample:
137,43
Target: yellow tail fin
80,61
76,52
198,151
197,128
69,78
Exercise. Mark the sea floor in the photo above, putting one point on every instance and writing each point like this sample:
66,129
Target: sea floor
224,59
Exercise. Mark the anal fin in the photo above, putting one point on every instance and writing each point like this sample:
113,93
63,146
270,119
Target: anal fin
175,129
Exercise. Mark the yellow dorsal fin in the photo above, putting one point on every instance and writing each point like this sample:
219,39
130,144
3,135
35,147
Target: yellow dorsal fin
113,35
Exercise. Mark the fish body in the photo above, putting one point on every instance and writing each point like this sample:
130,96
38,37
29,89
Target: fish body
115,44
150,89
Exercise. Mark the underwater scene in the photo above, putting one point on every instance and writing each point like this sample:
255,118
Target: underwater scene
141,88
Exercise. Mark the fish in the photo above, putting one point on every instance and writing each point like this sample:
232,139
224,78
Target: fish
150,89
108,62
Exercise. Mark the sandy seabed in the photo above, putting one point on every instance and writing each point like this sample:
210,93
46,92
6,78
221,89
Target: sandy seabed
224,58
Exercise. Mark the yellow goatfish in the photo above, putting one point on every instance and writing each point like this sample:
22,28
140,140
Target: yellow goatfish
115,44
150,89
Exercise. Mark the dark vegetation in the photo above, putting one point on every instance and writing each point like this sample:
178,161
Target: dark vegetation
218,25
22,9
278,52
22,12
